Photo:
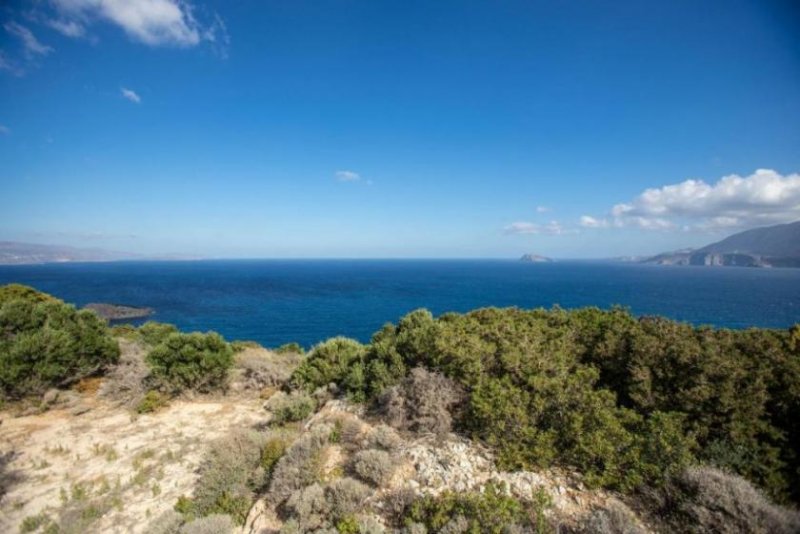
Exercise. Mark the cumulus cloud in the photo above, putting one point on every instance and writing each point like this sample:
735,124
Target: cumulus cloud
347,176
153,22
734,201
32,46
131,95
527,228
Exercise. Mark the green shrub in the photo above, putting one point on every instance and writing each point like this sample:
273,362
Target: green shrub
194,361
626,401
46,343
295,406
491,511
337,360
152,402
153,333
290,348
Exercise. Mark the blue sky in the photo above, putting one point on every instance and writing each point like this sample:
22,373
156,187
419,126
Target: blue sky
397,129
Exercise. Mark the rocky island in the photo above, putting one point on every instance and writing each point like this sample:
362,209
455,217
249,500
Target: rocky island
535,258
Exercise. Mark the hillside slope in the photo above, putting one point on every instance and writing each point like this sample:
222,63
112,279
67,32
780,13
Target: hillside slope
769,246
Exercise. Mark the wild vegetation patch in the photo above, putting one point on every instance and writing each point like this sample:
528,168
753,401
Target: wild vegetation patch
46,343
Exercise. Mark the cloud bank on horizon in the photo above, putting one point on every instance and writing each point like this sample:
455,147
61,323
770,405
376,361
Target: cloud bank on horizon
733,202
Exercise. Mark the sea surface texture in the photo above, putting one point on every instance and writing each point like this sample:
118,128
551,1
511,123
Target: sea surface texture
277,301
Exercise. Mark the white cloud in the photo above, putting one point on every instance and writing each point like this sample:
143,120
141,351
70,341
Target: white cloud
348,176
153,22
588,221
525,228
70,28
542,209
33,47
764,197
130,95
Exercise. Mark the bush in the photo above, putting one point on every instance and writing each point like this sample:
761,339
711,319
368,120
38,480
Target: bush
194,361
259,369
373,466
290,348
46,343
125,382
346,496
169,522
704,499
317,507
336,360
213,524
230,475
422,403
152,402
153,333
300,466
491,511
612,518
384,437
295,406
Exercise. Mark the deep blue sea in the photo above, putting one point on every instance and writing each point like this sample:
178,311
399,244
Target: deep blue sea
276,301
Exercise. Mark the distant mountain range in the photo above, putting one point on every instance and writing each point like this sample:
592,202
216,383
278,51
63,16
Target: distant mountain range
770,246
13,253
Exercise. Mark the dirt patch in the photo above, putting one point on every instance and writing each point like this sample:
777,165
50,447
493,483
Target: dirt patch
108,462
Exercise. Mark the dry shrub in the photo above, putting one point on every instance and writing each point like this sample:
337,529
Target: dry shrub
613,518
351,432
300,465
125,382
345,496
318,507
169,522
258,369
422,403
396,503
212,524
705,499
384,437
308,507
373,466
230,474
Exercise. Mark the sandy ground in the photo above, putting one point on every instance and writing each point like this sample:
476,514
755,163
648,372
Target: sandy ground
108,462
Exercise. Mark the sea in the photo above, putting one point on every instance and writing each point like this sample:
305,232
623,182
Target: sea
307,301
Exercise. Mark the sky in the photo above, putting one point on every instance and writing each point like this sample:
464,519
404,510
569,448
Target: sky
373,129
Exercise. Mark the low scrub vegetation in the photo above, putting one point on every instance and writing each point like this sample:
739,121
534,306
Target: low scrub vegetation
626,401
491,511
46,343
288,408
198,362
